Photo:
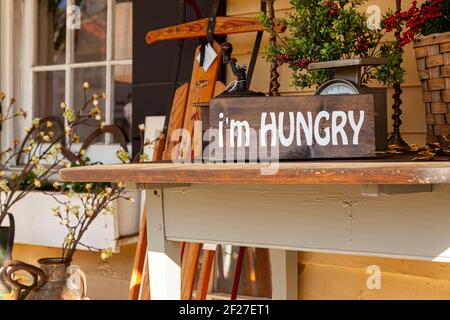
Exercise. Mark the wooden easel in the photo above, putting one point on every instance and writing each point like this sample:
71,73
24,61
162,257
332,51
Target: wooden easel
162,151
202,88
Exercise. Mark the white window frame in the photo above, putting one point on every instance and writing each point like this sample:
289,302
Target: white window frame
7,61
30,21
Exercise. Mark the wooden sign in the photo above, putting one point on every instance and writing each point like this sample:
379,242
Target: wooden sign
302,127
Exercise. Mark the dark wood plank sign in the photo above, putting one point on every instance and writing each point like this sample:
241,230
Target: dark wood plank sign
291,128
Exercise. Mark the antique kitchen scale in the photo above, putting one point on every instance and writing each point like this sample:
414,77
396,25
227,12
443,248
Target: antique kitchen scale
347,81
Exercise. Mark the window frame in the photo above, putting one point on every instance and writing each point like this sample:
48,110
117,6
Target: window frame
7,77
69,67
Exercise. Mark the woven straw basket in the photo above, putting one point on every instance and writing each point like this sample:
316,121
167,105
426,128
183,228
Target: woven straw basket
433,64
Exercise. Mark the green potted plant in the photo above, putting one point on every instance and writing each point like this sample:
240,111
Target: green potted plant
428,26
329,30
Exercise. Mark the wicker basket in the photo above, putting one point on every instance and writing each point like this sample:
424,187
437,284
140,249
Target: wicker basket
433,64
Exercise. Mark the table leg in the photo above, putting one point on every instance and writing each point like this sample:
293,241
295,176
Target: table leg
163,256
284,274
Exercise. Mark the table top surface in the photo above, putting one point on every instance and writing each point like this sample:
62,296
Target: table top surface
305,172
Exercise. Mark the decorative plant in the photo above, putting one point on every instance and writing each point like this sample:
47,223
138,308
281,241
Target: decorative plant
327,30
96,199
42,152
439,24
431,17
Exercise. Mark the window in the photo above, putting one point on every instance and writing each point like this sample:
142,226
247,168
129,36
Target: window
99,52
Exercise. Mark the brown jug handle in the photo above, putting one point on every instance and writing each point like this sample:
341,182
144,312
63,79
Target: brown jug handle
39,277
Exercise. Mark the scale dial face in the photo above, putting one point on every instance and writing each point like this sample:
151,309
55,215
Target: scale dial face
337,87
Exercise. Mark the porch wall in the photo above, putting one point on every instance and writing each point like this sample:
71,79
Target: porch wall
324,276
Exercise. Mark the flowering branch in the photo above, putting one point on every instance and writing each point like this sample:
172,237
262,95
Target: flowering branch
41,154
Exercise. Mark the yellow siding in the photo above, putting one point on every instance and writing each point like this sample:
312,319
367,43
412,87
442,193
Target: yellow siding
326,276
323,276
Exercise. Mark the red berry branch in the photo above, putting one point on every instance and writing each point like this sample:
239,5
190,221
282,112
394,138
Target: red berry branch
414,19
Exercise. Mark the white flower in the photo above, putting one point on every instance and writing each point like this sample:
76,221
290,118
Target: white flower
75,210
4,186
56,212
89,210
70,193
142,127
123,155
105,254
39,170
37,183
86,85
69,114
36,122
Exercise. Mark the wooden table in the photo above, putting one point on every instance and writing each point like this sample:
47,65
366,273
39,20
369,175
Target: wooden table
372,208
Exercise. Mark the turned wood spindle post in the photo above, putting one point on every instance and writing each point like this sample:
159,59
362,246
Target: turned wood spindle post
396,138
274,75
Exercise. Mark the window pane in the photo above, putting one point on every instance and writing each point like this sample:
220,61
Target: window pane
122,98
96,78
49,94
52,32
90,40
123,30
